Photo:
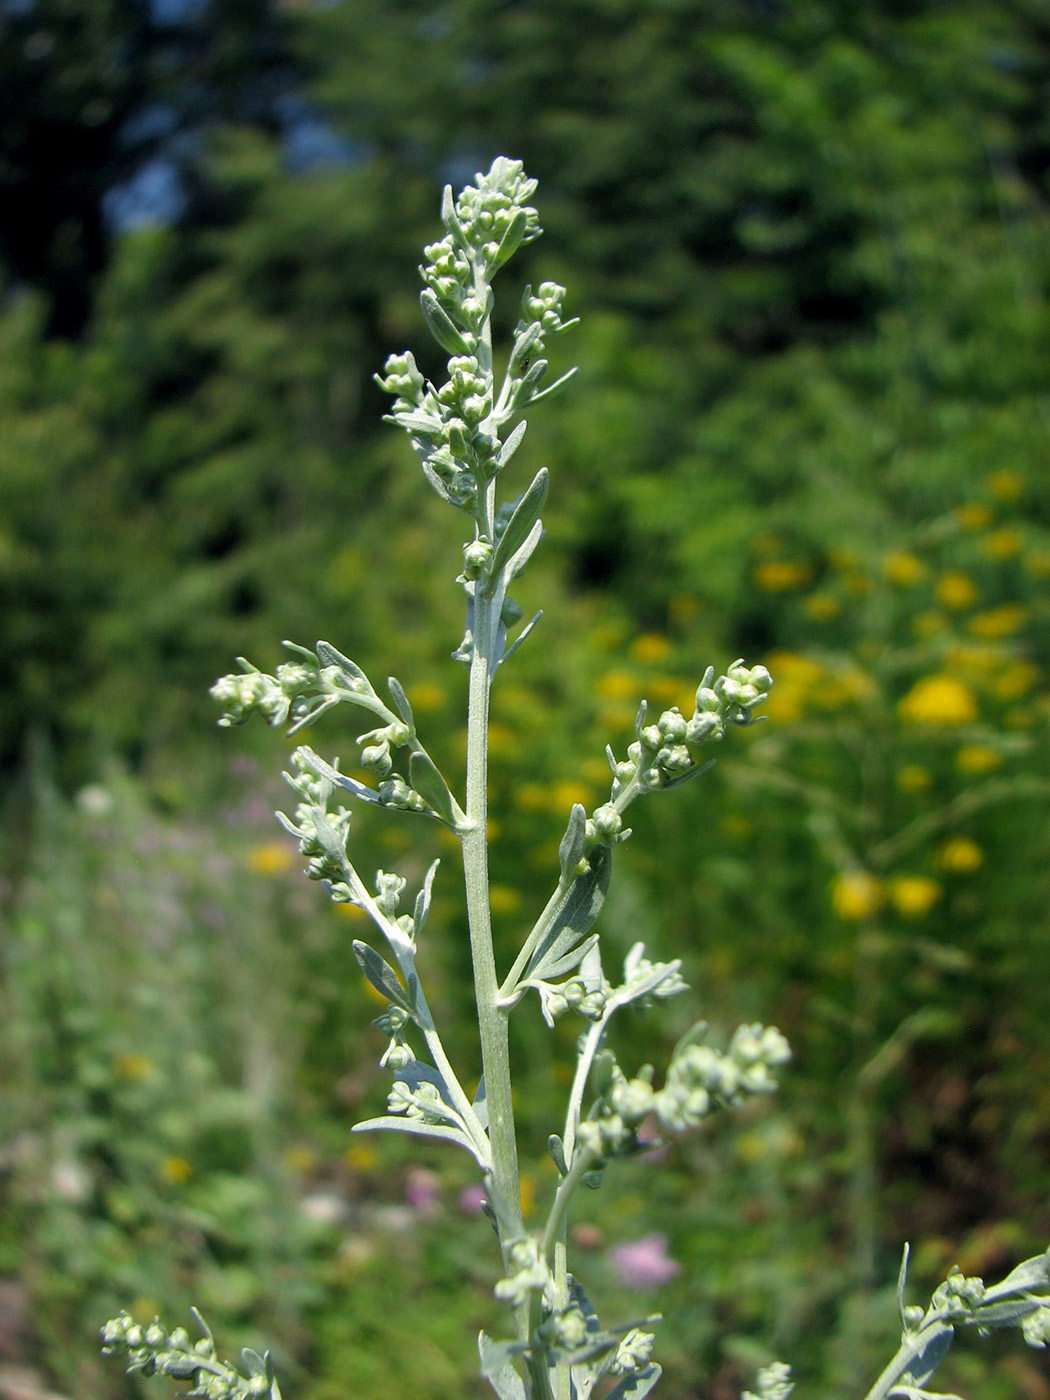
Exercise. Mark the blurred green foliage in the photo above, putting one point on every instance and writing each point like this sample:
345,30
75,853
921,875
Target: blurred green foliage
808,244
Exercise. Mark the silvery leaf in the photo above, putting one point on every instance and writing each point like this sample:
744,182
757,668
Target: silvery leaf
497,1368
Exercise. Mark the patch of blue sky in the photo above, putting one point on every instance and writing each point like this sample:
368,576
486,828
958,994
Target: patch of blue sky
152,198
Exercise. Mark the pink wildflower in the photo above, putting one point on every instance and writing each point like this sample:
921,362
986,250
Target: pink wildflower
643,1263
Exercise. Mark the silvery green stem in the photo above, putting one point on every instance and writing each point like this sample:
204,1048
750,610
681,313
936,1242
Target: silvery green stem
495,1056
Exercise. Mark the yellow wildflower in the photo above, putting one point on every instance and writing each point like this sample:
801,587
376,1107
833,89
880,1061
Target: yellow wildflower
999,622
821,607
133,1066
504,899
928,624
618,685
374,994
564,794
530,797
299,1158
781,575
960,855
903,569
974,516
913,778
353,912
650,648
361,1157
956,590
855,895
938,699
1004,543
1037,563
527,1185
791,666
426,696
913,896
672,690
1005,485
503,740
977,759
1015,680
271,858
175,1170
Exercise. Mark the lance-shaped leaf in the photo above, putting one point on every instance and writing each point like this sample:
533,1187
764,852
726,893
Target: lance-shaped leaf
523,347
570,852
557,386
480,1104
511,240
526,390
524,554
337,779
573,915
637,1385
1033,1273
422,904
498,1369
520,525
449,217
431,786
404,709
416,421
935,1341
383,977
441,325
355,678
511,446
520,637
415,1127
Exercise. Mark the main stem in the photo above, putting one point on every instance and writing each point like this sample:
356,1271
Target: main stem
492,1022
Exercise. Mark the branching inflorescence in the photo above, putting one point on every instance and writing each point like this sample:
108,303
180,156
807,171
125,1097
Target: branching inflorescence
465,432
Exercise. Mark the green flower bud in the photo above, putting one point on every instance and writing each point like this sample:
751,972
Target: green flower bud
702,726
375,758
607,822
672,725
477,556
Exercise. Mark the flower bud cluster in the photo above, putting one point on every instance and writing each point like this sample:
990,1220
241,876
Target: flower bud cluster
323,835
255,692
467,392
774,1383
662,752
701,1079
486,211
1035,1328
422,1101
401,377
153,1351
449,275
634,1352
565,1330
398,1053
611,1130
558,998
958,1295
527,1272
543,308
376,745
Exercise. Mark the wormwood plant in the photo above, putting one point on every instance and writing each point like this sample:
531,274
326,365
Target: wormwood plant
465,433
